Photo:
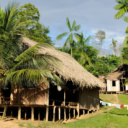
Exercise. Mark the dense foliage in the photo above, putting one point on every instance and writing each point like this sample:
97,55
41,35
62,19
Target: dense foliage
19,65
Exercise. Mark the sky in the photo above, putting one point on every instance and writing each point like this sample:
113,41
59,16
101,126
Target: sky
92,15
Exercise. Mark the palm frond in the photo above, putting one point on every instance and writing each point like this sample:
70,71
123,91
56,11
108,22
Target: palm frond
61,35
119,6
120,13
70,38
126,19
30,51
73,25
126,31
77,27
65,44
68,24
9,19
77,36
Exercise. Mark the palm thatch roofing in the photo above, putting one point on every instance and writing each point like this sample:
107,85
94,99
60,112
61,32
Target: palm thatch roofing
118,73
70,70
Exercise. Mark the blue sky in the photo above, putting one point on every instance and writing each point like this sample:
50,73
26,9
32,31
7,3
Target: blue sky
93,15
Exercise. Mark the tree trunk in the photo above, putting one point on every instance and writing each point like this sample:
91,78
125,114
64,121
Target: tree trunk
101,49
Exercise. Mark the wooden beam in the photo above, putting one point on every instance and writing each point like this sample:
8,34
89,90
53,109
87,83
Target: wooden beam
39,114
59,113
19,113
54,113
47,113
32,113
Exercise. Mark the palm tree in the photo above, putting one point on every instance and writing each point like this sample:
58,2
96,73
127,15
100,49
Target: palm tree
31,67
82,46
113,46
70,39
123,8
101,36
18,65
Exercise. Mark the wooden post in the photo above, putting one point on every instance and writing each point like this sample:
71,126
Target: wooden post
59,113
39,114
74,113
4,113
0,94
25,114
69,114
78,109
19,113
47,113
83,112
32,113
11,112
88,111
64,113
54,113
64,97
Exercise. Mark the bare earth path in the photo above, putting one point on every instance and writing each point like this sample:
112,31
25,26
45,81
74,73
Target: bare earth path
15,123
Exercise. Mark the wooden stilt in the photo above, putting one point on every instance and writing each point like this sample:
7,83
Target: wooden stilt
78,109
54,113
69,114
83,112
88,111
74,113
11,112
25,114
32,113
59,113
19,113
4,113
64,97
39,114
64,113
0,94
47,113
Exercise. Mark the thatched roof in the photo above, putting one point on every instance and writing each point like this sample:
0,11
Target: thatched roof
70,70
118,72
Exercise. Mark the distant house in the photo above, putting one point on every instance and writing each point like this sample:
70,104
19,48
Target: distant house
116,79
80,94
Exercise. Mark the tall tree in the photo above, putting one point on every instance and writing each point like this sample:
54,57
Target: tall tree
101,36
70,38
30,15
113,46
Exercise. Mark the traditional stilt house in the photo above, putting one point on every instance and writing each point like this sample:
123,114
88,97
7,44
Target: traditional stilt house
79,95
116,79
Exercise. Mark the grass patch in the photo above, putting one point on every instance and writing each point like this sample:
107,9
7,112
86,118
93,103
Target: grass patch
115,118
123,99
107,97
